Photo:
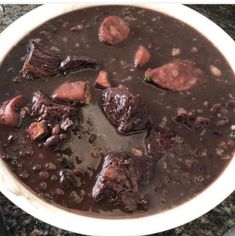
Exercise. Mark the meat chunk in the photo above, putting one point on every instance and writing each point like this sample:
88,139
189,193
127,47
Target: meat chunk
52,118
142,56
125,111
121,174
113,30
190,119
37,130
102,81
161,140
40,62
44,108
70,91
10,112
74,63
177,75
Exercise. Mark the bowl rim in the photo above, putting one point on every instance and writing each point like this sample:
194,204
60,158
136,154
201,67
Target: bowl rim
21,196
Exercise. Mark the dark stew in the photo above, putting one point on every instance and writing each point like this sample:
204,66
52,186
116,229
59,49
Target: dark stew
116,110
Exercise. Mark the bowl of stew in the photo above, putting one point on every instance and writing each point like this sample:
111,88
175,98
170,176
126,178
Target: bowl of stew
116,119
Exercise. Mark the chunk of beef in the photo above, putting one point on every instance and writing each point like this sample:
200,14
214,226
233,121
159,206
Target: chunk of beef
73,91
190,119
161,140
10,112
41,61
142,56
121,174
53,114
44,108
177,75
113,30
74,63
124,110
102,80
37,130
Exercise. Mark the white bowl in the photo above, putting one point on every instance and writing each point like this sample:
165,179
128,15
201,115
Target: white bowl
222,187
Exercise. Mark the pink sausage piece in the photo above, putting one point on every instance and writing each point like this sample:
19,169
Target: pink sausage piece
113,30
10,112
142,56
177,75
70,91
102,80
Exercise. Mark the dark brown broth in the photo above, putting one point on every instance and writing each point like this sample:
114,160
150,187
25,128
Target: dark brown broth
158,32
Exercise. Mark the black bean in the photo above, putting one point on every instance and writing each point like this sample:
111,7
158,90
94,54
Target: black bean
52,141
29,152
76,198
143,205
79,171
43,185
11,138
59,192
6,157
24,175
50,166
43,175
37,167
54,178
92,138
20,165
56,129
230,143
65,163
82,193
215,108
224,120
63,136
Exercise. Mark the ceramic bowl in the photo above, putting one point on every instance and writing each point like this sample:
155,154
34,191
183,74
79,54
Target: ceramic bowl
20,195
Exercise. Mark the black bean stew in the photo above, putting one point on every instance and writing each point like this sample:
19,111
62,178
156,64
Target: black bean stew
116,110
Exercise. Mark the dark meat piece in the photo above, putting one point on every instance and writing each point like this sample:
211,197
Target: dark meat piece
70,91
45,108
190,119
37,130
74,63
40,61
113,30
124,110
102,81
121,174
10,112
160,140
178,75
142,56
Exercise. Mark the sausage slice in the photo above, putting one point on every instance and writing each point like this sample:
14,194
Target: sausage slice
177,75
113,30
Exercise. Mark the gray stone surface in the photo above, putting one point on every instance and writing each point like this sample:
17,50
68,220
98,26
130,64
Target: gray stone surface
214,223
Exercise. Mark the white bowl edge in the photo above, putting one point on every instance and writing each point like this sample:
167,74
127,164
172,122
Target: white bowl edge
202,203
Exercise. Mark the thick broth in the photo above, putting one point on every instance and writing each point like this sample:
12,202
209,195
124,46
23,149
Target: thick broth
160,34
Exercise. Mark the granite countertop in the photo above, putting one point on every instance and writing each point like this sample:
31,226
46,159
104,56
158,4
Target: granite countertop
214,223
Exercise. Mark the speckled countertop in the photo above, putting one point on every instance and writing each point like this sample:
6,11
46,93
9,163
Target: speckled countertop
214,223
